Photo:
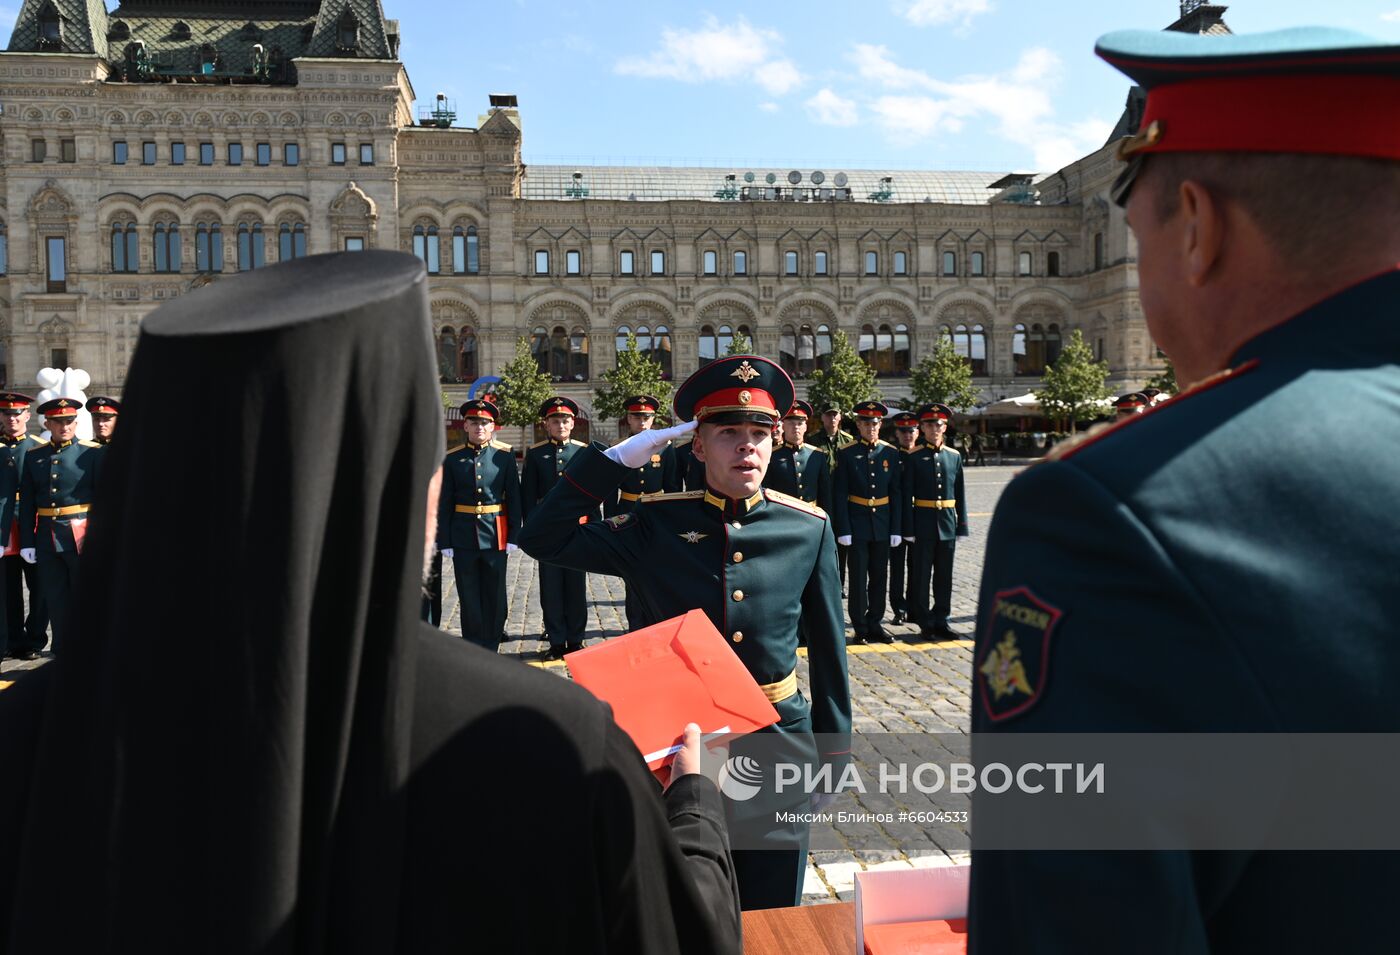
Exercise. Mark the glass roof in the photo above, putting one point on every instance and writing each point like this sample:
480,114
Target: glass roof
651,183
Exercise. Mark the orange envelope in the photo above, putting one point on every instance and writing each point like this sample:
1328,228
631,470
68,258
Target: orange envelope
662,677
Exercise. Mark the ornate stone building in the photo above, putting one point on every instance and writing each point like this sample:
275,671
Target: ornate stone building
155,148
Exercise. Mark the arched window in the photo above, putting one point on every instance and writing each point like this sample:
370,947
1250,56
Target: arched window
208,247
447,355
960,341
950,263
866,345
459,250
787,350
291,241
1035,350
466,361
208,59
578,354
884,350
901,263
902,350
4,258
165,246
723,339
125,255
473,251
620,340
559,353
1024,264
790,262
1052,344
50,28
806,351
661,350
711,262
872,263
539,347
1098,250
250,246
1052,264
979,264
1018,351
707,345
425,246
741,262
823,347
978,354
347,32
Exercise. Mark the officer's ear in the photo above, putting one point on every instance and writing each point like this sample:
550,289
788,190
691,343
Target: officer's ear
697,444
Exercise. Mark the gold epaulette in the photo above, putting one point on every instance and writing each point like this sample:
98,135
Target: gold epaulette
672,496
36,439
499,445
88,444
537,444
575,441
455,448
778,497
880,442
916,447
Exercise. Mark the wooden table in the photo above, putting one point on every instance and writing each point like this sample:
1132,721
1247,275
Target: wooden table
828,929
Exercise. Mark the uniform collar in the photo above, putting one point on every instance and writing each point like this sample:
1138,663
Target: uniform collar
1352,327
476,447
727,507
10,442
868,444
557,443
60,445
795,447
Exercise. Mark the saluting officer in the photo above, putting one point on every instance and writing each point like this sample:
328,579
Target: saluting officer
906,437
731,551
656,475
478,521
935,517
16,639
690,471
798,468
104,413
55,493
867,514
563,592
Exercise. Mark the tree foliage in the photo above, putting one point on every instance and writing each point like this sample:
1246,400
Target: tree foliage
739,345
634,374
846,382
1166,381
1075,384
522,388
944,376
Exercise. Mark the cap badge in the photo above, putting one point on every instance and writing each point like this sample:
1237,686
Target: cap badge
745,372
745,397
693,537
1143,138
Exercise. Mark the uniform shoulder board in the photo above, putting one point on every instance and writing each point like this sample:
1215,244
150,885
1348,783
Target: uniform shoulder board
673,496
88,444
578,444
910,450
537,444
884,444
949,447
500,445
37,440
455,448
796,503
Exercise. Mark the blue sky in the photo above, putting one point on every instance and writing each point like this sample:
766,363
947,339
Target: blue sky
919,84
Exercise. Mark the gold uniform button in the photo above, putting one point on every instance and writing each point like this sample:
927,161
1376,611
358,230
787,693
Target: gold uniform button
738,556
738,636
738,595
736,525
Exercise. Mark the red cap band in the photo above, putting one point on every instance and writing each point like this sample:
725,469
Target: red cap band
642,407
736,399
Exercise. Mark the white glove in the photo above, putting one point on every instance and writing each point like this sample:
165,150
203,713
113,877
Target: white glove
446,552
638,449
895,540
27,553
511,548
908,540
844,541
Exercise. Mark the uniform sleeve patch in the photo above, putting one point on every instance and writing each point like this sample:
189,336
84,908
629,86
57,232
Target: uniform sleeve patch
617,521
1013,662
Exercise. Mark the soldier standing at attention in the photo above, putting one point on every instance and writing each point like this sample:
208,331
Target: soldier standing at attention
935,517
15,444
906,436
830,439
867,513
1133,404
104,413
656,475
478,520
563,597
799,469
732,551
55,493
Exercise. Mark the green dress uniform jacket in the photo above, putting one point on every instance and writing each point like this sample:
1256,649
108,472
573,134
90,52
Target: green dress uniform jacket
801,472
932,494
1224,562
58,478
545,462
830,446
660,475
690,470
12,455
865,492
480,505
563,592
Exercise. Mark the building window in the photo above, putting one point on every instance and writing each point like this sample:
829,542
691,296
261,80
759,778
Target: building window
819,263
250,246
790,262
291,241
466,250
950,263
337,154
872,263
741,263
206,154
970,344
165,246
4,253
425,246
626,262
1052,264
50,32
466,355
366,154
653,343
573,262
1035,348
876,348
208,247
125,256
716,339
68,150
235,154
119,152
787,349
177,154
457,355
347,32
58,358
979,264
291,154
541,261
208,59
262,154
473,243
148,154
1098,250
56,268
901,263
38,150
1023,264
561,355
658,262
711,262
354,243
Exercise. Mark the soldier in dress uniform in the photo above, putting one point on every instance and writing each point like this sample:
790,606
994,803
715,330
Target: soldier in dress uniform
104,413
690,472
830,438
798,468
867,513
478,521
563,592
1202,567
935,517
906,438
16,639
55,493
731,551
1129,405
657,475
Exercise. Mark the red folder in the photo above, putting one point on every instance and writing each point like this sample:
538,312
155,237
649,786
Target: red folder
938,937
662,677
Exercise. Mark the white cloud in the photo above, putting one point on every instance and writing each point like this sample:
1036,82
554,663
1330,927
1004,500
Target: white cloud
733,51
768,107
1392,17
932,13
829,109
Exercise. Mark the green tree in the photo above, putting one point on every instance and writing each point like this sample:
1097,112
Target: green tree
740,345
1075,384
1166,381
635,374
944,376
523,387
846,381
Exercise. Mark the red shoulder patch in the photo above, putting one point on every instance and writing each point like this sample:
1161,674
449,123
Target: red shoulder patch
1013,662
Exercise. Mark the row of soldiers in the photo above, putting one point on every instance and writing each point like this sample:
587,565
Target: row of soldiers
896,511
46,491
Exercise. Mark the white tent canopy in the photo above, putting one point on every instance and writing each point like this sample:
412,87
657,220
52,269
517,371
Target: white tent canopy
1027,405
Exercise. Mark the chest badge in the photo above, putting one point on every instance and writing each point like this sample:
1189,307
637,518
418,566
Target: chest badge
692,537
886,464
